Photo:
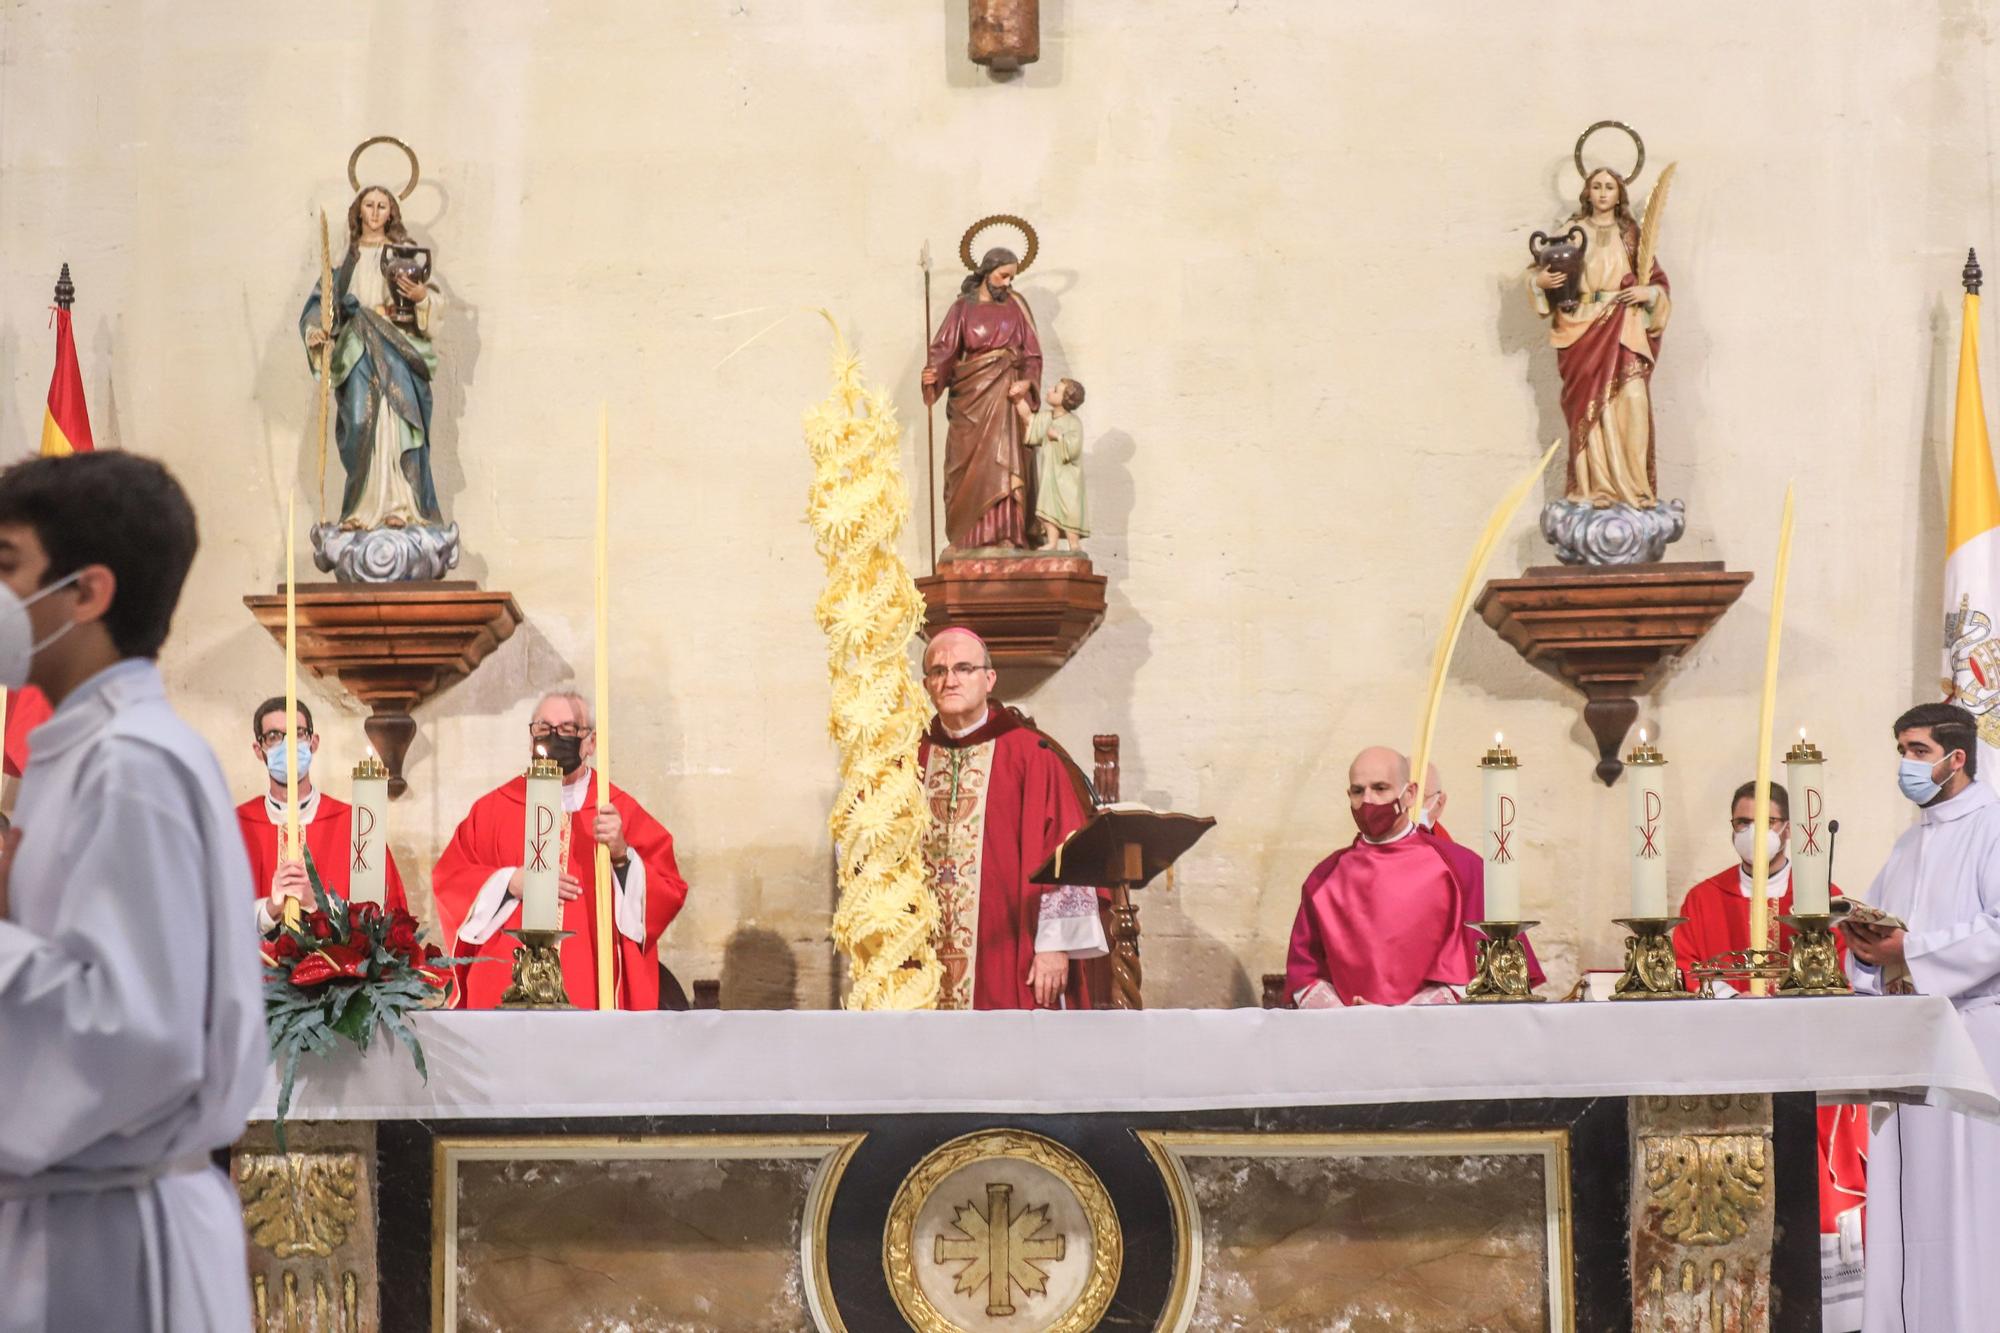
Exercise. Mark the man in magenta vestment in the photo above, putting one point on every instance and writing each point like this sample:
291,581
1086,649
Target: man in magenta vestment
1001,801
1387,920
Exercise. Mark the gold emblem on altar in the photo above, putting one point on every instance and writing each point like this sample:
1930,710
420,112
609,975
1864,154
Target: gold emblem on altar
1975,666
1002,1231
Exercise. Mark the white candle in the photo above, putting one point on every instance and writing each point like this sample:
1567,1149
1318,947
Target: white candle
541,847
1499,791
1645,769
1805,775
368,832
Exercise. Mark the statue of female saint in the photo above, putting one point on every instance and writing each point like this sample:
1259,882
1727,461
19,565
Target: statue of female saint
381,368
986,347
1606,346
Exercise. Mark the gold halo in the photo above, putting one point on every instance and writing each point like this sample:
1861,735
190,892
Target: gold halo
994,220
367,144
1631,133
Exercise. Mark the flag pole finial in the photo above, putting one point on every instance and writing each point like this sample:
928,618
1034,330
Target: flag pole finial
65,290
1971,275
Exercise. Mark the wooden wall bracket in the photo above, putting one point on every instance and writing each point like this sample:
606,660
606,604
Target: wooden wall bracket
1032,609
1610,631
392,646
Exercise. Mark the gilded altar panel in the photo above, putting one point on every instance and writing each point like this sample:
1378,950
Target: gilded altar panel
1409,1232
640,1233
1702,1217
310,1217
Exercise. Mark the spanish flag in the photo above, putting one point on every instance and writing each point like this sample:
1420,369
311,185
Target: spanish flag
1972,547
66,424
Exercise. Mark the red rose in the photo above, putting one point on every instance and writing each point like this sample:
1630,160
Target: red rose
286,947
402,937
362,914
322,929
432,953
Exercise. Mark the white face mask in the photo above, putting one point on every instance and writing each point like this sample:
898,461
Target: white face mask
1746,845
17,632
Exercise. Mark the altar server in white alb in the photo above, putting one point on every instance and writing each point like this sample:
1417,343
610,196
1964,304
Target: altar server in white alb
1933,1175
131,1026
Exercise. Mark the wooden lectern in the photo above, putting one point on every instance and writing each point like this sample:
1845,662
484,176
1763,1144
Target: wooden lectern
1123,849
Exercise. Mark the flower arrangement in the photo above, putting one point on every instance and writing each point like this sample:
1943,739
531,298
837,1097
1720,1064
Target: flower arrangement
338,973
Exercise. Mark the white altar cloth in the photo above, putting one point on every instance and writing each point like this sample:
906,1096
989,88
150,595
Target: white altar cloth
497,1065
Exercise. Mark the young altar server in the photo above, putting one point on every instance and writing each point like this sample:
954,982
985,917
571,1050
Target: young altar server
477,882
325,821
1386,920
1001,801
131,1015
1934,1175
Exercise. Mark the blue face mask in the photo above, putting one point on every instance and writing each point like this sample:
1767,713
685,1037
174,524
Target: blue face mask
1914,776
274,759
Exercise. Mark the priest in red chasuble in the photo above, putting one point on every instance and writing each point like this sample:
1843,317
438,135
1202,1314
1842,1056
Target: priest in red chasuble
1001,800
1718,922
1387,919
325,822
477,882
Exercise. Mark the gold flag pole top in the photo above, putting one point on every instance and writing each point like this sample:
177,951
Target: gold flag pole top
607,986
1760,895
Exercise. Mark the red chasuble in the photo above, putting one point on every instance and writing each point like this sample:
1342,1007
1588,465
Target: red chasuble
1380,921
328,838
489,839
1001,800
1718,921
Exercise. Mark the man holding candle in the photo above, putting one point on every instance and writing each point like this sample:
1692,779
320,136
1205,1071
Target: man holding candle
131,1019
1934,1175
481,879
1001,801
325,822
1387,919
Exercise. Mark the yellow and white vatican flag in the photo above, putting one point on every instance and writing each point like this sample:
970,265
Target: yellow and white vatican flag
1972,549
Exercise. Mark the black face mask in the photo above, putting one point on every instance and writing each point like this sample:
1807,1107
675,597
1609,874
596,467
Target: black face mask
567,751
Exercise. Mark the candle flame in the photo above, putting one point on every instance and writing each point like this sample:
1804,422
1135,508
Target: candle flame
1642,735
1802,733
541,752
1496,740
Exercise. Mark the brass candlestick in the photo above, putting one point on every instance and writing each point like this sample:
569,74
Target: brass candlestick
1815,962
1501,975
538,978
1651,971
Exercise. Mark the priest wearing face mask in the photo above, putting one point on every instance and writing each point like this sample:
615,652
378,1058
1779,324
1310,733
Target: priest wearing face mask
1386,920
325,822
1934,1175
477,882
1718,908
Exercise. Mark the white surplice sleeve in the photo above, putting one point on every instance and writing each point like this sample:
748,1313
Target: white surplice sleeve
101,1020
1964,957
1069,923
492,908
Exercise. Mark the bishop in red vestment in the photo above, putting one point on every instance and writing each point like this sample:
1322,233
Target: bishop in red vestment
1001,801
1718,922
478,879
325,821
1387,919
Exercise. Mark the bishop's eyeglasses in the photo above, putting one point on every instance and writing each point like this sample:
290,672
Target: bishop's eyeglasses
569,731
958,670
276,737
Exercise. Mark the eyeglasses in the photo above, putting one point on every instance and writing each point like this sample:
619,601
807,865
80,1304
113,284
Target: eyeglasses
958,670
275,737
1738,825
569,731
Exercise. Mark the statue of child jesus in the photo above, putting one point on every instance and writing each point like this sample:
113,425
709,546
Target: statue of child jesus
1056,434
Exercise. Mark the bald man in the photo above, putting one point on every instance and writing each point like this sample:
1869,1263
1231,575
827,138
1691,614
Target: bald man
1001,801
1386,919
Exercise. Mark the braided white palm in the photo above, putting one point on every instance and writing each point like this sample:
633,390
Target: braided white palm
870,611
